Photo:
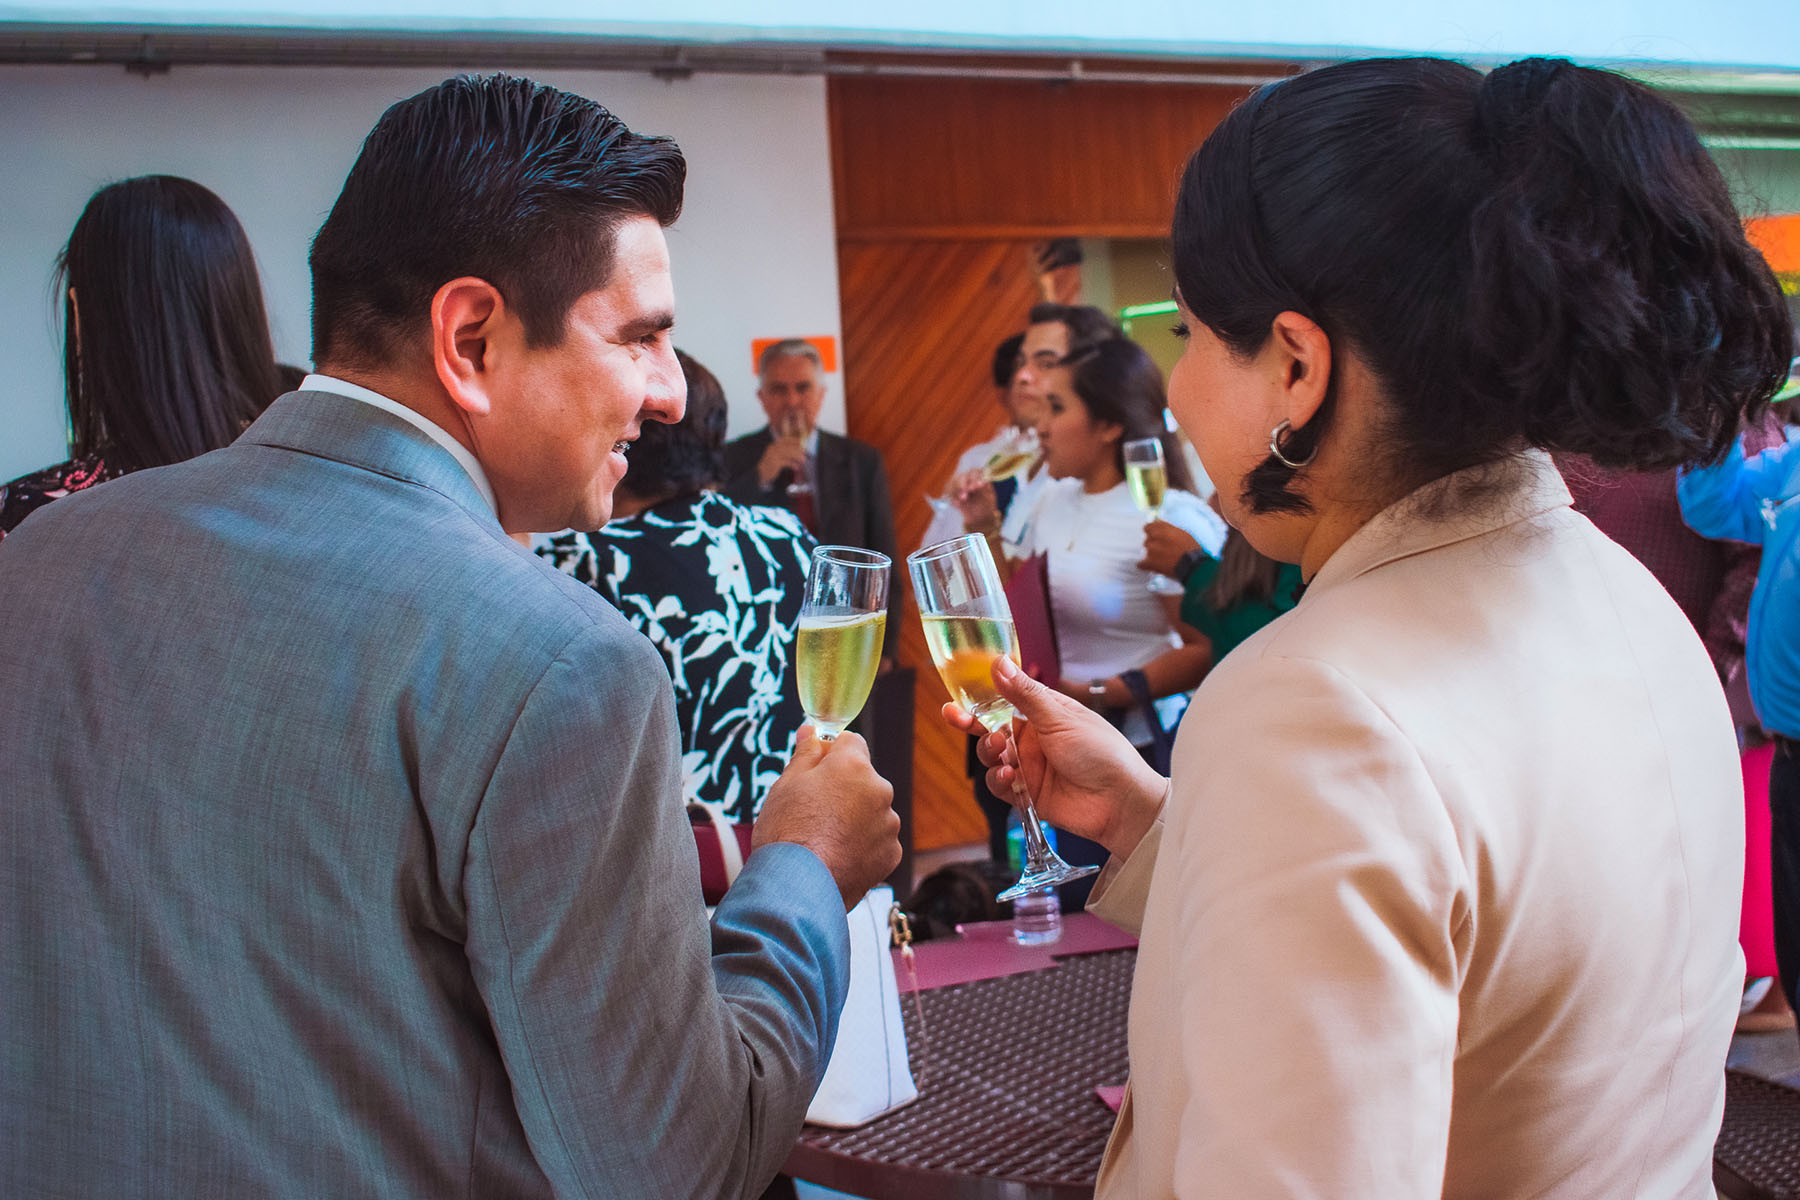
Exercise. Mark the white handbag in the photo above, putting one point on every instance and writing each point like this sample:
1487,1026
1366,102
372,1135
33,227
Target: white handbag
868,1073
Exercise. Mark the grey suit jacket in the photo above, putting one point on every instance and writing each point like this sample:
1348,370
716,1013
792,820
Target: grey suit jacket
342,857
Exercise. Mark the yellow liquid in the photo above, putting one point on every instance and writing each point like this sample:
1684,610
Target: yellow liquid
964,649
837,657
1007,464
1148,485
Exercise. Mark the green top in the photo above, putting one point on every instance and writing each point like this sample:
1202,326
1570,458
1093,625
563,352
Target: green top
1238,621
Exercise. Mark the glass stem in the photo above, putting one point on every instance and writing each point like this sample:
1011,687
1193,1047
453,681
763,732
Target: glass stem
1037,850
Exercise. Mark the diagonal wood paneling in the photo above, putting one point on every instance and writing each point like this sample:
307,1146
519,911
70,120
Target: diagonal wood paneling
939,185
920,323
996,158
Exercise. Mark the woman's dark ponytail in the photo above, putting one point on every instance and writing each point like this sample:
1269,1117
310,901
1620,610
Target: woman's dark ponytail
1614,303
1542,257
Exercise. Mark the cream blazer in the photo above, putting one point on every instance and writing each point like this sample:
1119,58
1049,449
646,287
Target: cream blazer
1444,898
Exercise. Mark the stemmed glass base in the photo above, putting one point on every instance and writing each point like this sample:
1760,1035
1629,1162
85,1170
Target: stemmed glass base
1043,866
1054,874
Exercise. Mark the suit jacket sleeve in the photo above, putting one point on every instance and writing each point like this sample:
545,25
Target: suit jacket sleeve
644,1061
1321,901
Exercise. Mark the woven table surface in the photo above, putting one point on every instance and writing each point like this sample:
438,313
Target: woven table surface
1758,1151
1006,1105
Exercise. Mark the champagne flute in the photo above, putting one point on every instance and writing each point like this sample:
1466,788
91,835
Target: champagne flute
793,424
843,618
1148,478
968,624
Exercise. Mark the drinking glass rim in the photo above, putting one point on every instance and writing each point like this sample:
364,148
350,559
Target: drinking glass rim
851,556
943,549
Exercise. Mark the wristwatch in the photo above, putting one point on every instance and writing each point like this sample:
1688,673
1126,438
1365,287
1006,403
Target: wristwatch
1184,566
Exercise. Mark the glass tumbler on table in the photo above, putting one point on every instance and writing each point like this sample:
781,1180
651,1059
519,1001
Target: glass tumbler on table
968,624
843,618
1147,476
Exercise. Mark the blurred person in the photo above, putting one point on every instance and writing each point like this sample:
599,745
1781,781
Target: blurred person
837,485
1016,435
1224,597
1755,498
1108,622
1053,333
343,855
1086,522
1425,829
716,586
166,351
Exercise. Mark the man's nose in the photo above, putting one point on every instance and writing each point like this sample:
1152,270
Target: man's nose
665,399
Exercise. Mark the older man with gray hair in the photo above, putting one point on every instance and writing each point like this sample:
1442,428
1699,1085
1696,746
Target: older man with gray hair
836,484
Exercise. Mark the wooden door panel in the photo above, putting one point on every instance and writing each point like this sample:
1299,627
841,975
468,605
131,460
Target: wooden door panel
920,322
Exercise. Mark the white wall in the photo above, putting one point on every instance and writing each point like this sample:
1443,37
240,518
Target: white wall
754,252
1720,32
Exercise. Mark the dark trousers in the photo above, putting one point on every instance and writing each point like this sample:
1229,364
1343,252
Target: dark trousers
1784,863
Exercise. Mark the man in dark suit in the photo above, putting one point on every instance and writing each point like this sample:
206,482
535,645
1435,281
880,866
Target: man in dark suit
836,484
345,852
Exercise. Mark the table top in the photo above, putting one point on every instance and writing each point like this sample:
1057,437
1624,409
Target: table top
1006,1107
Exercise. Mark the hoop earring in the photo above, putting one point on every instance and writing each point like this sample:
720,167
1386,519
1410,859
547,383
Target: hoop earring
1275,449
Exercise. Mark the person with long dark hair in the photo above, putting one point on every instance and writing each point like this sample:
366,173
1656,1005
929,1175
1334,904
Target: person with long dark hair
166,350
1425,831
1107,620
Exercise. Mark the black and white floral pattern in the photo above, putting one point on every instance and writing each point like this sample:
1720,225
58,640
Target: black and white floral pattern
716,586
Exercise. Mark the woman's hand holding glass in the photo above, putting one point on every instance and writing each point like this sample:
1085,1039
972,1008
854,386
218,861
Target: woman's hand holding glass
1164,544
969,627
1083,774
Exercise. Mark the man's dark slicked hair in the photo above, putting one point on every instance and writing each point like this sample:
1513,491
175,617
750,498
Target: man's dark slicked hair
494,177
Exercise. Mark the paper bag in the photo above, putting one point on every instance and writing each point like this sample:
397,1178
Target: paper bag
868,1073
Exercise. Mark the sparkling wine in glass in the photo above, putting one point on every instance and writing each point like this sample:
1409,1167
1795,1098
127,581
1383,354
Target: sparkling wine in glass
843,618
1147,476
968,624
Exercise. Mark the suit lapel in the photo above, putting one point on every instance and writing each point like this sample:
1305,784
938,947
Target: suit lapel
832,497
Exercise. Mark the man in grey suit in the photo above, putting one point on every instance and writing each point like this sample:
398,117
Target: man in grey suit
343,848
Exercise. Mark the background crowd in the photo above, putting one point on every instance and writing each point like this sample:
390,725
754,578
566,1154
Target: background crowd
1442,737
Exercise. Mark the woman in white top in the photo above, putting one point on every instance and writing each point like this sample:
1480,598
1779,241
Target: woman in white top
1425,830
1107,619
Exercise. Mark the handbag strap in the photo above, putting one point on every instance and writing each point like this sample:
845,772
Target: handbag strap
729,851
1161,744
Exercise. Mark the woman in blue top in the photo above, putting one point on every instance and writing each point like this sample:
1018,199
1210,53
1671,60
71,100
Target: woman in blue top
1756,499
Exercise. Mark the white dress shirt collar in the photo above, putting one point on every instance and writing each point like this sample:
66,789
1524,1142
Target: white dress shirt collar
458,451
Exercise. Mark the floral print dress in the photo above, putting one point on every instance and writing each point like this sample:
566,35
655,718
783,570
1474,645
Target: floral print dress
716,586
28,493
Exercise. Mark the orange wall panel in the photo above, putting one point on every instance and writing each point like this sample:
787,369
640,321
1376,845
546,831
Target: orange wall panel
960,157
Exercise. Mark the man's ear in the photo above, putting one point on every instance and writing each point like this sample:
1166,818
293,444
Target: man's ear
466,316
1303,356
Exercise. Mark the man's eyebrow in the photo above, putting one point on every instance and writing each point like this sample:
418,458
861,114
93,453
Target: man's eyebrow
646,325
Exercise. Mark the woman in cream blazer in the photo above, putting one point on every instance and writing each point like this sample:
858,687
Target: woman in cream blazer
1442,897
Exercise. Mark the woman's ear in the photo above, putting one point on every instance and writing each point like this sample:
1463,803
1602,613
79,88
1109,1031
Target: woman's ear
1302,355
